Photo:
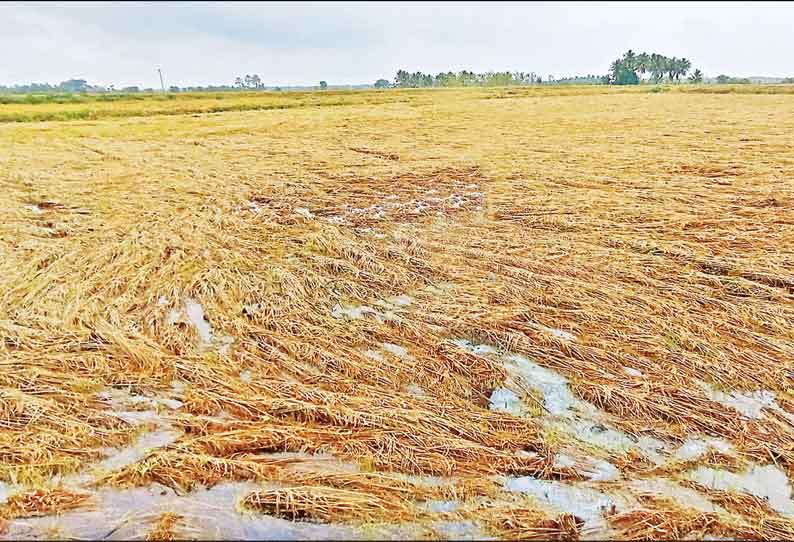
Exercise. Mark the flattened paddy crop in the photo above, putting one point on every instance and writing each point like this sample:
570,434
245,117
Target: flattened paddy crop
512,313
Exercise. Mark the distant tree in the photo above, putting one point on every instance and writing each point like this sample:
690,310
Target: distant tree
238,82
323,85
256,82
630,60
621,72
656,67
401,79
683,67
382,83
788,81
696,76
728,80
131,89
173,88
74,85
643,63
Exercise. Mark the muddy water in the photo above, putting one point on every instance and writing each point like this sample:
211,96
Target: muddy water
767,482
209,514
192,312
564,413
585,424
588,504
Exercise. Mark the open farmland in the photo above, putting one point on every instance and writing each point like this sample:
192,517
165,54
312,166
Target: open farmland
557,312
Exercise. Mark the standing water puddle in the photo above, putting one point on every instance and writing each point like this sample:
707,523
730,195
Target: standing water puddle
590,505
192,313
767,482
208,514
564,412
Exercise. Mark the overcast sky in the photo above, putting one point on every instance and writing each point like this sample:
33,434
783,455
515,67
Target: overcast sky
302,43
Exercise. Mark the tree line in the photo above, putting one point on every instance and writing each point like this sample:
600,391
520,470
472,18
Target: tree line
69,86
464,78
630,68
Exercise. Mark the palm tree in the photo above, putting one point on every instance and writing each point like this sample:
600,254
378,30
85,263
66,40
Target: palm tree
630,60
657,67
696,77
402,78
670,67
643,63
684,66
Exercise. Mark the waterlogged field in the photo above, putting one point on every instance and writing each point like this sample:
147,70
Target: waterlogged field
558,312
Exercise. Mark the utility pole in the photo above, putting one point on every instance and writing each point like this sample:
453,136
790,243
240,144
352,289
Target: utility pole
161,80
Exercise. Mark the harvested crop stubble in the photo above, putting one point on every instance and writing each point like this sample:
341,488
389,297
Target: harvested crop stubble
761,520
164,527
327,504
42,502
519,521
256,282
663,518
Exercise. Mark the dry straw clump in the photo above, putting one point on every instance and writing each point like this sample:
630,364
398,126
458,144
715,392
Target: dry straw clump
164,527
521,521
326,504
42,502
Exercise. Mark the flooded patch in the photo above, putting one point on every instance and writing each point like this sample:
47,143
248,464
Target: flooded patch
138,417
121,400
505,400
632,371
304,212
415,389
588,504
557,397
120,458
596,470
358,312
441,506
374,354
195,315
351,311
750,404
396,349
767,482
565,413
685,496
694,448
479,349
178,387
400,300
5,492
460,530
440,288
192,313
559,333
208,514
225,345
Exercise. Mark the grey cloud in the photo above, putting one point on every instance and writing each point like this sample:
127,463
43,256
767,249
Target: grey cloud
300,43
